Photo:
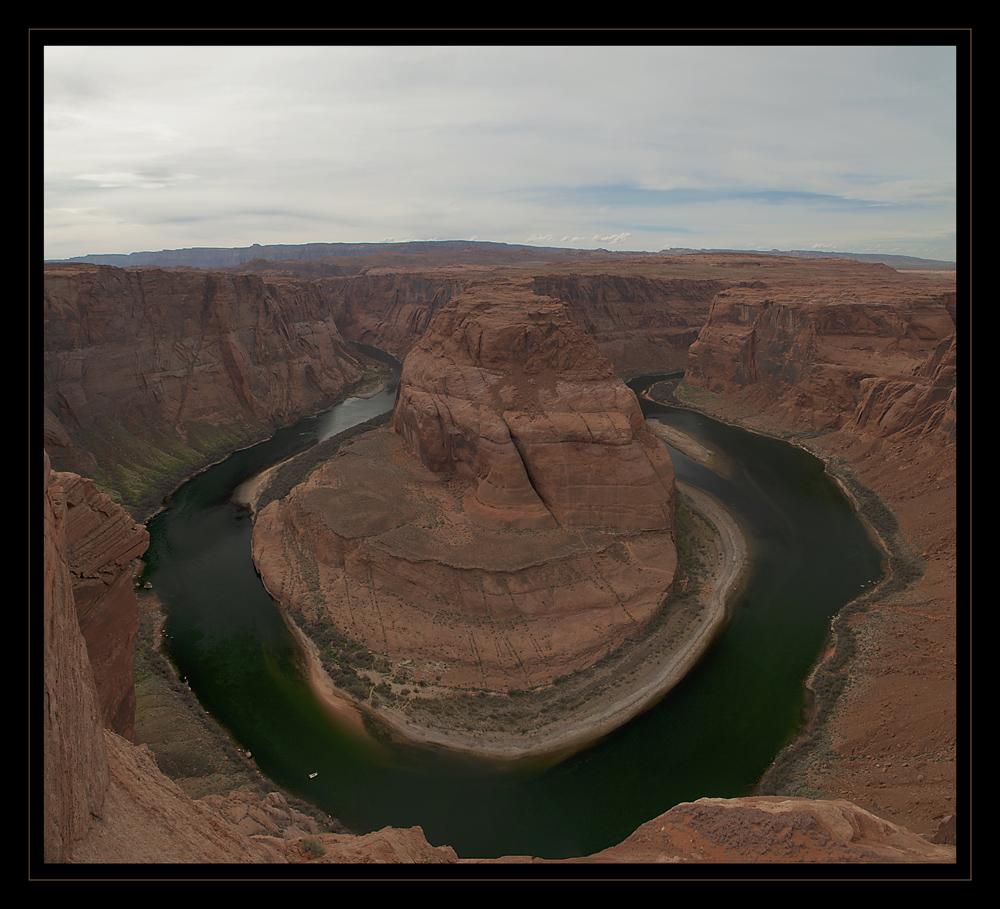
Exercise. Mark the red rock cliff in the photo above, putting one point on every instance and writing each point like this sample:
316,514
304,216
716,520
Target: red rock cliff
505,390
139,363
101,542
804,348
76,775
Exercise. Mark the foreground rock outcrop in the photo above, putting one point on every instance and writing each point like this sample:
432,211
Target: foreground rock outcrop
766,829
102,542
515,527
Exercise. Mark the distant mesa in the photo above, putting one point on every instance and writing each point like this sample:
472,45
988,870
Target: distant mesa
901,263
466,251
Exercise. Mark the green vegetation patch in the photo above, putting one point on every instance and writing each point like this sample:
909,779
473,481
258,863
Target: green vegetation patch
139,464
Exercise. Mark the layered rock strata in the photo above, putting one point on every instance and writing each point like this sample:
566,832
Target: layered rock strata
516,525
508,393
805,353
102,542
148,372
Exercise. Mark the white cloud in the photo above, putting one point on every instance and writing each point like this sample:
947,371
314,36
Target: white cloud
359,143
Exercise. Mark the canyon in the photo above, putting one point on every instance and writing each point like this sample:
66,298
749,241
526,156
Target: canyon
855,361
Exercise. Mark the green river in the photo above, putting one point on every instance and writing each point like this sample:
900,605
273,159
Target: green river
713,735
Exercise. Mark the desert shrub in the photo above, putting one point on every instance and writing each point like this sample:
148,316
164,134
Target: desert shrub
312,846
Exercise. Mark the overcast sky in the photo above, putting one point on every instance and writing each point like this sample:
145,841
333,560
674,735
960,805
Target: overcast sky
840,148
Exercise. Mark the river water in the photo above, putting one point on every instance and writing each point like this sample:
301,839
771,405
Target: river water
713,735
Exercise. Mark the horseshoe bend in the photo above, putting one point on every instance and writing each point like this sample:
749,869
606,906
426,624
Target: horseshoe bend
514,525
514,512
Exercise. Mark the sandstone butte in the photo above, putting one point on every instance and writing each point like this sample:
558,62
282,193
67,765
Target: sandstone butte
515,523
861,356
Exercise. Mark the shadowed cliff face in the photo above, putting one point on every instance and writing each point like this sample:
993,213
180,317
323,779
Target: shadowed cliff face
391,310
641,323
148,373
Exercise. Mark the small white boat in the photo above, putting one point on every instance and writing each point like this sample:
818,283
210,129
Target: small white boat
312,775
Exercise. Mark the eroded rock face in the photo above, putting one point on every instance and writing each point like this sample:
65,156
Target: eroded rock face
139,363
923,406
516,525
101,543
508,393
806,354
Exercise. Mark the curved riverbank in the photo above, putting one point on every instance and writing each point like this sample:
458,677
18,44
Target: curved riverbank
716,731
578,710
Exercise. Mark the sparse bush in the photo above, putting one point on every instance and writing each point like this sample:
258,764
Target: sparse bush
312,846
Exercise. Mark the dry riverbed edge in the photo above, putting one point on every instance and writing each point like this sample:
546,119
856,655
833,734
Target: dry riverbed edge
629,682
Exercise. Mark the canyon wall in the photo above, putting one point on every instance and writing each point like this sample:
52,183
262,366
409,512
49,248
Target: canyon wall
806,350
149,374
643,323
642,317
860,366
390,310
